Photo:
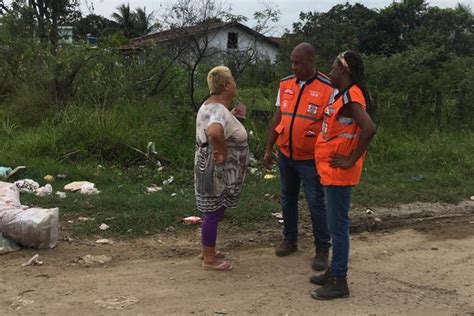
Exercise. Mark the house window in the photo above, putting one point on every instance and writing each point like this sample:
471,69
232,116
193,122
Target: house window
232,40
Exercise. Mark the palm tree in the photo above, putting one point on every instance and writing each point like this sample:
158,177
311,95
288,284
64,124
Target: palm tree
125,19
143,21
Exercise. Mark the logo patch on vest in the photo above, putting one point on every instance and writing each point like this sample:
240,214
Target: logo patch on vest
312,109
313,93
284,104
329,110
288,91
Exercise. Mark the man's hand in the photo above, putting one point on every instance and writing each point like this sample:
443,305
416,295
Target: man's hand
268,159
339,161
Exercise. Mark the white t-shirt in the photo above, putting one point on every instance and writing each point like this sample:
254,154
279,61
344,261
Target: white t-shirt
217,113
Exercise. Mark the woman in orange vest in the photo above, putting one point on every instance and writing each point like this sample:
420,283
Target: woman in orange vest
340,150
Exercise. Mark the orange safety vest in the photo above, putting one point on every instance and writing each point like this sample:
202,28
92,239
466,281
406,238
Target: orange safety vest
301,115
339,135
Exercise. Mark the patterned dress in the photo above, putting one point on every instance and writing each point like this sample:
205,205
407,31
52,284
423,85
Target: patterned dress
219,185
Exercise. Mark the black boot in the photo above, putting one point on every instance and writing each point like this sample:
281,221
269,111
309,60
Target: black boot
334,288
320,261
321,279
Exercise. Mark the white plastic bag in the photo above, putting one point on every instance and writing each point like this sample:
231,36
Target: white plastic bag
31,227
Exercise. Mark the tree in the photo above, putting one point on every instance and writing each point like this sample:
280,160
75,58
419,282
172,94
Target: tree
125,19
95,25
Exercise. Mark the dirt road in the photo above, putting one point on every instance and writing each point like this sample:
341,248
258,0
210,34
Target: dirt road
426,269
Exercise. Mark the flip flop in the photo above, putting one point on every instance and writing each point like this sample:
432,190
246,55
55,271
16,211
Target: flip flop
219,255
223,266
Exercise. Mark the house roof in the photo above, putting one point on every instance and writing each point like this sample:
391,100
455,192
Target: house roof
177,33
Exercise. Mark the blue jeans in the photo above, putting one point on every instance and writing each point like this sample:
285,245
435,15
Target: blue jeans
338,202
292,172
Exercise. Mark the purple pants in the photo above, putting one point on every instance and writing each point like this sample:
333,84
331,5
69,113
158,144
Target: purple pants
209,226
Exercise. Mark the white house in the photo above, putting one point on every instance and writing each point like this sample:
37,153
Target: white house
220,39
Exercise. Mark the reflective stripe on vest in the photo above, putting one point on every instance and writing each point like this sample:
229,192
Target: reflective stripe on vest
303,116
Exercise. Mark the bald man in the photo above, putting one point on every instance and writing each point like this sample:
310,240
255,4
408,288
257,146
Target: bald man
295,126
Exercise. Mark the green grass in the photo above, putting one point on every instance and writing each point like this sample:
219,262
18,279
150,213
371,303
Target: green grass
400,168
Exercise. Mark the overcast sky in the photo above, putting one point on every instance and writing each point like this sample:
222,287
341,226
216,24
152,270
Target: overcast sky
290,9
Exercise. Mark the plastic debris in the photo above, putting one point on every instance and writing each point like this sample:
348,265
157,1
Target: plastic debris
61,195
153,188
29,227
173,194
5,171
7,245
84,187
104,226
104,241
120,302
168,181
44,191
19,302
48,178
253,170
100,259
192,220
281,221
85,219
33,261
61,176
27,185
377,220
369,211
278,215
417,178
269,176
472,198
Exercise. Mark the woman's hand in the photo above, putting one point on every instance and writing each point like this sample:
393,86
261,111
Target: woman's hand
340,161
219,157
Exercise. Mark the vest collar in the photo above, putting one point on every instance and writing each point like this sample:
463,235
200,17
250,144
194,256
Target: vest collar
307,82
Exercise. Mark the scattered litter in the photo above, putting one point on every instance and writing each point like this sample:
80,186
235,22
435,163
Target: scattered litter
61,176
269,176
27,185
100,259
110,218
85,219
278,215
434,248
168,181
153,188
7,245
44,191
377,220
61,195
120,302
369,211
161,168
192,220
417,178
71,222
19,302
253,170
29,227
33,261
222,312
281,221
84,187
104,226
5,171
104,241
173,194
252,160
48,178
472,198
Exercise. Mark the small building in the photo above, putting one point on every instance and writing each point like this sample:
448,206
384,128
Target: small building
65,34
222,38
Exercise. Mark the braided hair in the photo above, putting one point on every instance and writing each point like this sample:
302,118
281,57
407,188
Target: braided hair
357,73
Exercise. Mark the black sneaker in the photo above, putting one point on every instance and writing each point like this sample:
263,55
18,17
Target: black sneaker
321,279
286,247
334,288
320,261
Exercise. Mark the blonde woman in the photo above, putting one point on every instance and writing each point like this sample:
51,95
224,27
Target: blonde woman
220,161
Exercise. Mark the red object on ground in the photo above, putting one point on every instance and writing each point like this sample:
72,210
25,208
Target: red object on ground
192,220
